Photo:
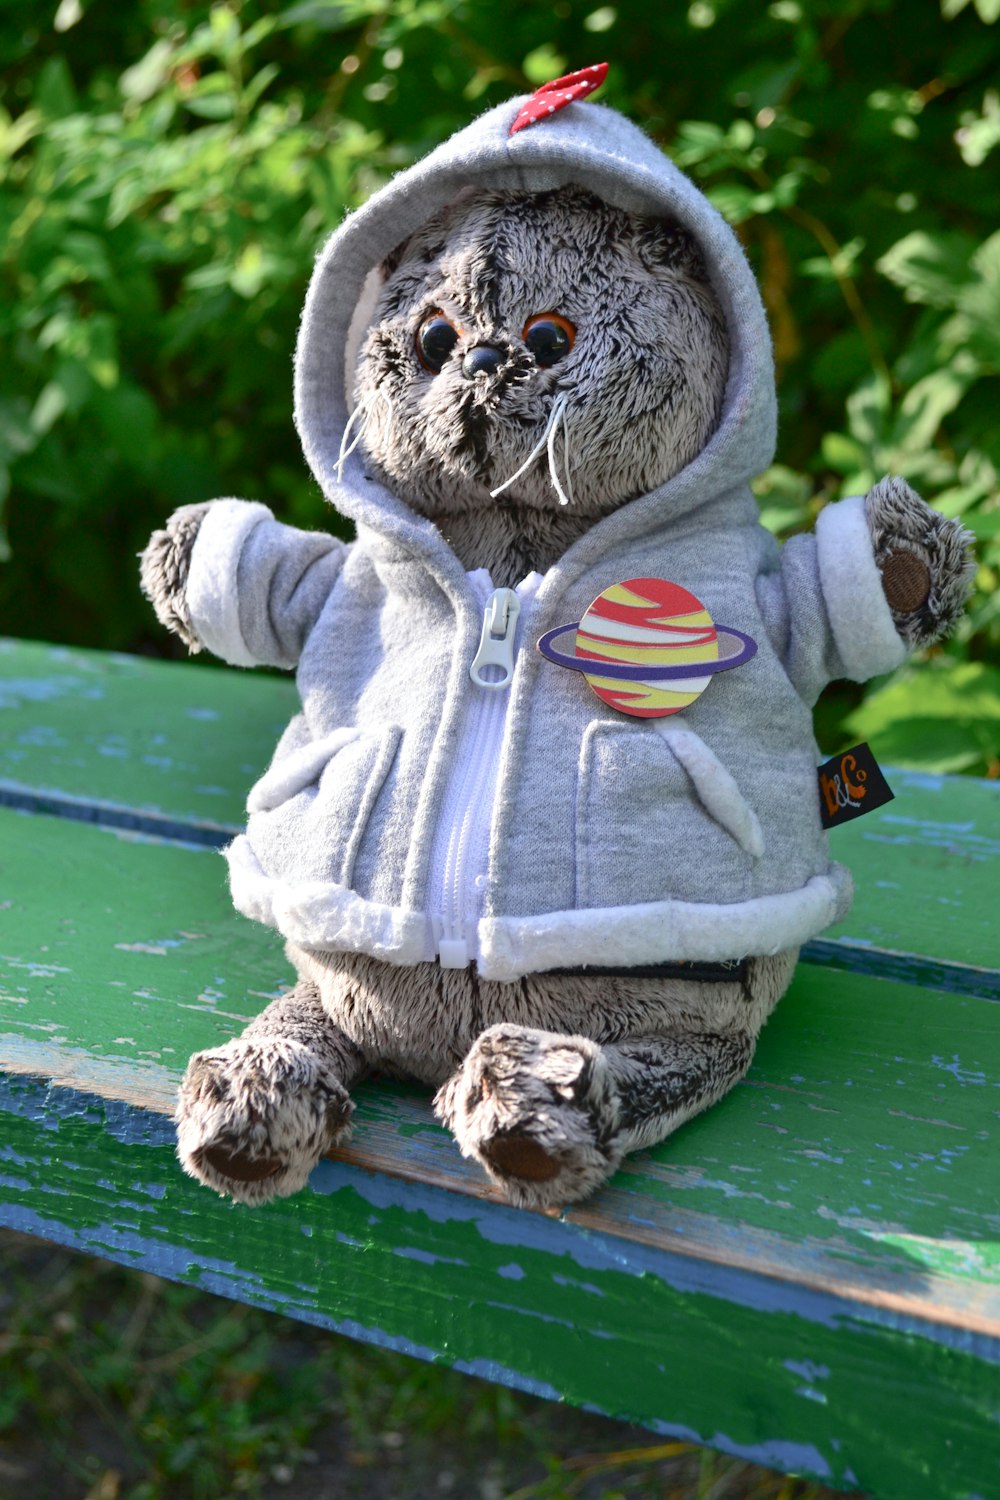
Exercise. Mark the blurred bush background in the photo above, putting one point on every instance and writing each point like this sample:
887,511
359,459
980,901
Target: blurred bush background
168,169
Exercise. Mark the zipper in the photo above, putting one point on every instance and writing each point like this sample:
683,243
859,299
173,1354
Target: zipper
496,643
461,846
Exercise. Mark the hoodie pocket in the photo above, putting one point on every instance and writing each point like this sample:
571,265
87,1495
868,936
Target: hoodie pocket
310,810
659,818
291,773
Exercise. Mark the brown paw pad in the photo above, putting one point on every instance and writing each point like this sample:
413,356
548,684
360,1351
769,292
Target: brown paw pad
239,1167
517,1155
906,581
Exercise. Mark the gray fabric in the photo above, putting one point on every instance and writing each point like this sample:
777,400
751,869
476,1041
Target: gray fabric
601,850
283,582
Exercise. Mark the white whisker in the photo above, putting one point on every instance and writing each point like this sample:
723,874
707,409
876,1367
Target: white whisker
543,442
345,451
557,411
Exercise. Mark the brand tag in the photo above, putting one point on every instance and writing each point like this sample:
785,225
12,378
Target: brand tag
851,784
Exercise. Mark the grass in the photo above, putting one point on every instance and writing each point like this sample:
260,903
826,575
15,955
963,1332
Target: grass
116,1385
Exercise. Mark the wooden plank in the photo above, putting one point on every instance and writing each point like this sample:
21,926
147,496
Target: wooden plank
149,745
858,1156
927,870
797,1379
180,742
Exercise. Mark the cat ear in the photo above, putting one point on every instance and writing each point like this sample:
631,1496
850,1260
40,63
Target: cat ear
664,243
391,261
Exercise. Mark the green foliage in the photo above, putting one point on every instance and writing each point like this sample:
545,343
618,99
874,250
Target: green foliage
168,170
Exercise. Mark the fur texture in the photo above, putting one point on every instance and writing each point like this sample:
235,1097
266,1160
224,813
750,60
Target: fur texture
901,524
539,1112
546,1082
255,1115
164,569
643,381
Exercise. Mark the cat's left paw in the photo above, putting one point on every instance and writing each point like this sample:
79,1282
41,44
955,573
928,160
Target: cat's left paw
924,560
538,1111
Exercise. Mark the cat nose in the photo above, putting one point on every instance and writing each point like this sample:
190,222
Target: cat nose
482,359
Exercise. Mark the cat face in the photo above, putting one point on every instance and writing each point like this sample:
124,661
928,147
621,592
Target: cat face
516,324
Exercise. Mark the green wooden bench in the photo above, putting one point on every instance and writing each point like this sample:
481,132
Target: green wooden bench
807,1275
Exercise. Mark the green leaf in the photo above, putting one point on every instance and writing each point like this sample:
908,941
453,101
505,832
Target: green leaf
17,435
930,268
984,524
258,83
868,409
698,142
784,497
544,63
149,74
734,201
54,93
324,15
978,134
942,719
16,133
250,272
67,15
48,408
843,453
212,98
924,407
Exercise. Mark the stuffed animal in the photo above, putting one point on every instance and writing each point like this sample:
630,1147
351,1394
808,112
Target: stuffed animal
564,886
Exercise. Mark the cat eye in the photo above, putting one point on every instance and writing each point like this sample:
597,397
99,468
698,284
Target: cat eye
549,337
436,338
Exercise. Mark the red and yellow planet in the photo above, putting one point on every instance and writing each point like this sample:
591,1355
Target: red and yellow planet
649,647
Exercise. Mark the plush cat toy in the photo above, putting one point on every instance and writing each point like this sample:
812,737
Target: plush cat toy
563,885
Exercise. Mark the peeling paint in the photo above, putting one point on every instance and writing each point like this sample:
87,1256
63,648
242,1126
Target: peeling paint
954,1067
408,1252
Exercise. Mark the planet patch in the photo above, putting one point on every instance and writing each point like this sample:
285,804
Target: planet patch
648,647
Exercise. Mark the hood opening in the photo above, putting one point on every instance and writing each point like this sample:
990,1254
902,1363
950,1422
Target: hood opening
585,144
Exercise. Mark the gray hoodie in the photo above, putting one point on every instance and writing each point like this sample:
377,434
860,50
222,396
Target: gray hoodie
410,813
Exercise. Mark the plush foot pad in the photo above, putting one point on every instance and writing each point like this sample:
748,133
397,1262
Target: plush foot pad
538,1111
255,1116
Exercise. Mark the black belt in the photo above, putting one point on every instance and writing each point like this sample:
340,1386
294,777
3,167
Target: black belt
730,970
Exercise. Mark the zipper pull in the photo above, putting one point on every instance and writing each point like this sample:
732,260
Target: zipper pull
496,643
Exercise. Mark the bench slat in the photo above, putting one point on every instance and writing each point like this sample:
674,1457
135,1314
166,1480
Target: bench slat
793,1378
182,742
857,1154
790,1278
106,738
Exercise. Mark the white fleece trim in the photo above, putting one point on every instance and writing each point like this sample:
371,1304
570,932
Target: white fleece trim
320,914
211,596
868,641
661,931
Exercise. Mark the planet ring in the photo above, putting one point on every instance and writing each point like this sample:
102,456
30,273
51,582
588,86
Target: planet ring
737,648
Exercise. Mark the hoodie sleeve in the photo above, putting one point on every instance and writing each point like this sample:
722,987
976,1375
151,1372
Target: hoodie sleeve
255,588
825,609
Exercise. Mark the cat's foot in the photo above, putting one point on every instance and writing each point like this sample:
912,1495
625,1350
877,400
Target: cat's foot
538,1111
255,1116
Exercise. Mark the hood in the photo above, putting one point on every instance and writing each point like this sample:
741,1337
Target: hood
583,143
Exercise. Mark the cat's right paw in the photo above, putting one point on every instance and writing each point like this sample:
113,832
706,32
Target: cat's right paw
255,1116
